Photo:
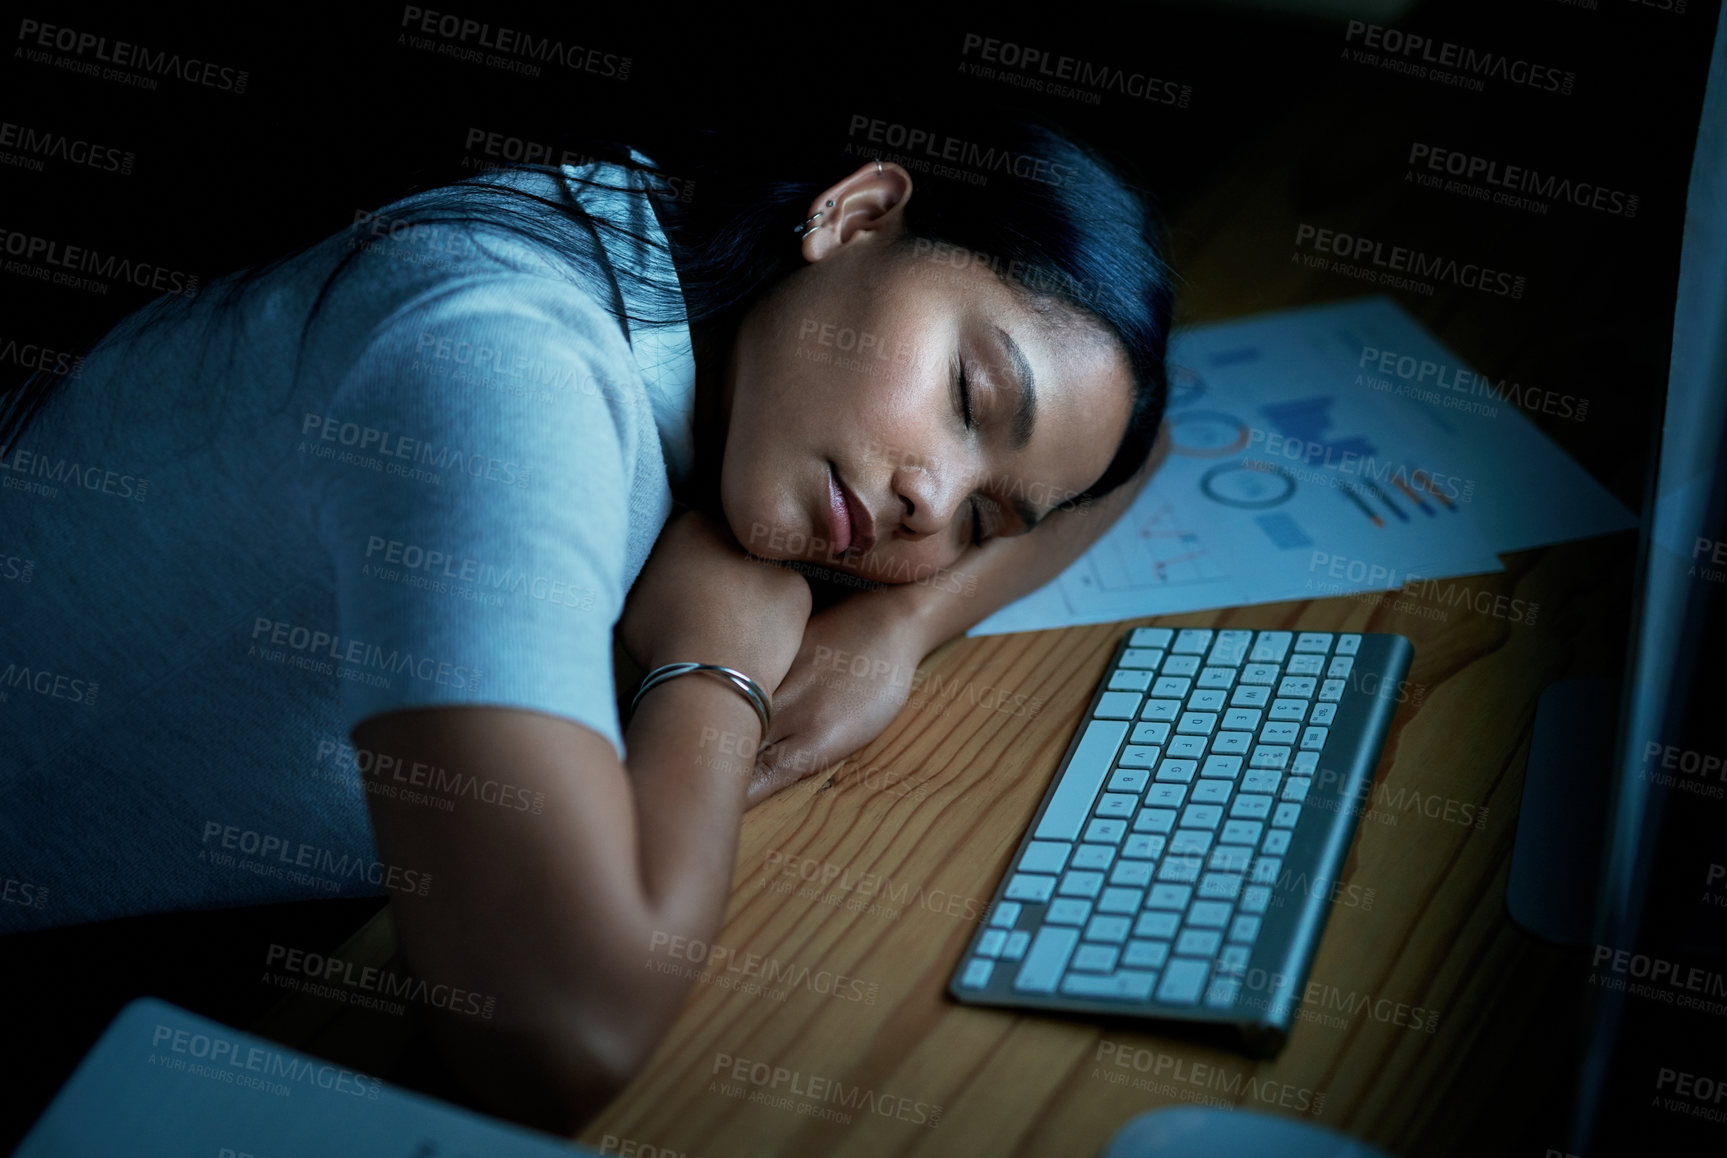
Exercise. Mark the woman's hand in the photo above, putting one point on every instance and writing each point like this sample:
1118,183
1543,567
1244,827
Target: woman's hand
702,598
850,679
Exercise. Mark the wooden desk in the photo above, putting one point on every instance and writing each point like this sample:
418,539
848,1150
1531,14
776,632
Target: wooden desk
1432,934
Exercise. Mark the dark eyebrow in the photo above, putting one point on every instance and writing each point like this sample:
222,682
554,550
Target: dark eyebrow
1025,385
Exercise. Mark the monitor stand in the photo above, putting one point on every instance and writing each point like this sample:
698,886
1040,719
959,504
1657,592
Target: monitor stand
1556,861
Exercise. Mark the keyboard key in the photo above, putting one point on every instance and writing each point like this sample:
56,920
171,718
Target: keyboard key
1288,711
1138,756
1348,644
1047,958
1340,667
1105,831
1130,681
1242,719
1005,915
1182,870
1016,945
1171,687
1159,926
1161,711
1045,856
1218,678
1231,743
1265,870
1230,648
1151,637
1129,780
1186,747
1203,915
1259,673
1164,796
1095,857
1112,929
1168,896
1067,911
1141,658
1244,928
1271,647
1295,687
1261,780
1286,814
1146,954
1296,789
1116,706
1130,873
1249,807
1269,756
1323,714
1095,958
1221,767
1207,700
1126,985
1027,887
1331,691
1249,697
1276,842
1182,980
1155,819
1143,846
1080,883
1148,735
1198,942
1176,771
1230,858
1197,723
1203,816
1181,665
1304,665
1118,805
1070,804
1220,886
1241,832
977,973
1304,763
1188,841
1313,739
1319,641
1255,898
1279,733
1211,792
1232,959
1192,641
991,943
1121,900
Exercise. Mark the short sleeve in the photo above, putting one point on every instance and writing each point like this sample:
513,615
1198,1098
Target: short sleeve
472,488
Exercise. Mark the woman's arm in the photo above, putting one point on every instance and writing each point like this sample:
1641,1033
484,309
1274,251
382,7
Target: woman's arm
572,919
854,670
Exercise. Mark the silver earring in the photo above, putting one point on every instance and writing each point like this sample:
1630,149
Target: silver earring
807,227
878,166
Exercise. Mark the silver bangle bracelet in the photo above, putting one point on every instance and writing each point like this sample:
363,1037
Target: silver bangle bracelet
746,686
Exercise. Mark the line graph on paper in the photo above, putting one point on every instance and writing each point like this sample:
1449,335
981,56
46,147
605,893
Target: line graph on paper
1150,553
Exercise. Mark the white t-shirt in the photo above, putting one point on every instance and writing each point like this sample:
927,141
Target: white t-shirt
230,565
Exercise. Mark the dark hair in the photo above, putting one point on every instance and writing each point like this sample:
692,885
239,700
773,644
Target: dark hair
1047,214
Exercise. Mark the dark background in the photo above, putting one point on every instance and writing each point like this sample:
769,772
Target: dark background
338,117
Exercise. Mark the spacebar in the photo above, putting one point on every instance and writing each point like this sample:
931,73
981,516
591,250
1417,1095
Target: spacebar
1074,796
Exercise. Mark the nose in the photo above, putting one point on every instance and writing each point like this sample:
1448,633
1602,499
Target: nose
927,503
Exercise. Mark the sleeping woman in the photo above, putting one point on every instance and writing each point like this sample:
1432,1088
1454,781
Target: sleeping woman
329,558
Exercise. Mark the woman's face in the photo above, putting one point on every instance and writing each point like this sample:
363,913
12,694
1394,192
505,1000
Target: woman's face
848,441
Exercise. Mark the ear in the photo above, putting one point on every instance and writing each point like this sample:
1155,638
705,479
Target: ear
866,207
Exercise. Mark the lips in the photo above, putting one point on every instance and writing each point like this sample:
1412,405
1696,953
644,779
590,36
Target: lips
851,525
